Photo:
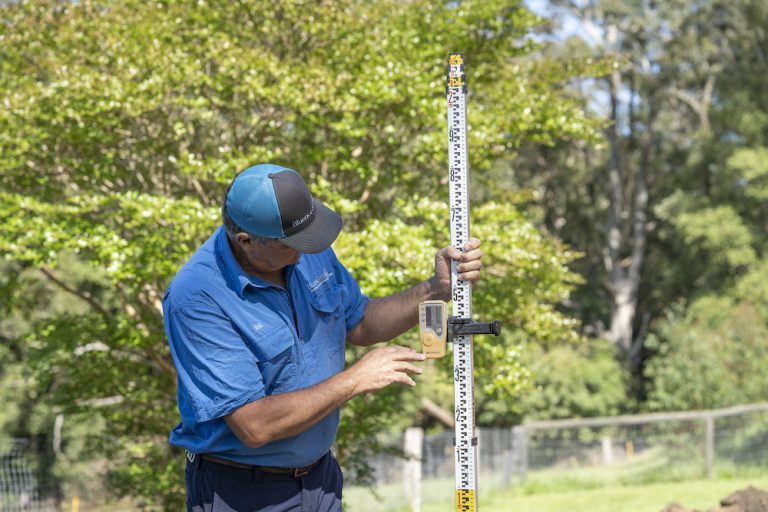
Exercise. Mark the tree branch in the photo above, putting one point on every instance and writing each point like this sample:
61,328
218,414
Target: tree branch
87,297
430,408
700,107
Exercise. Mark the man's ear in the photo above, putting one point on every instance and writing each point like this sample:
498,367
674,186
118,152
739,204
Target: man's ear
243,238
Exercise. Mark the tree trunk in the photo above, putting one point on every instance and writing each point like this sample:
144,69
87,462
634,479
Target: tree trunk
625,243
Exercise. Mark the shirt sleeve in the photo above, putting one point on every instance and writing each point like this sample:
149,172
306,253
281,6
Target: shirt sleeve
353,298
217,373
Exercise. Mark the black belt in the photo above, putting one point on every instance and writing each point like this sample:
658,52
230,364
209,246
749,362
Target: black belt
295,472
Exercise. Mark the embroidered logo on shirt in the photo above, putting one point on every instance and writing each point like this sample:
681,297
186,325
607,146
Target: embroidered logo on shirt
258,326
315,284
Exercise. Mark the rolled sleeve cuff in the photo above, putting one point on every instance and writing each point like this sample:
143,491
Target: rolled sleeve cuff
356,314
214,409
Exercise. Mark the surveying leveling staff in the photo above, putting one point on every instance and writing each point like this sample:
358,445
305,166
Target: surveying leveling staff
257,321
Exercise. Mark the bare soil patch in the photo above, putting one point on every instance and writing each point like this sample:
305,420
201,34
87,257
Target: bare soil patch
750,499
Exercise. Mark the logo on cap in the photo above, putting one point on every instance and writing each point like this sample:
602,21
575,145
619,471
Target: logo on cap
299,222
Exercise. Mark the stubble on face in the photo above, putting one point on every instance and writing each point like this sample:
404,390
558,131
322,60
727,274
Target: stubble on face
266,259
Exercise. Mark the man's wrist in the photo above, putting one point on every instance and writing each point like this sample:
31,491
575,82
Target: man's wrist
435,290
351,382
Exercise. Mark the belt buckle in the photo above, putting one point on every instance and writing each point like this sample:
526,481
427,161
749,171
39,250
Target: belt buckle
297,472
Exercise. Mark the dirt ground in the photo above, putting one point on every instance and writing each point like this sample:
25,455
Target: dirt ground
750,499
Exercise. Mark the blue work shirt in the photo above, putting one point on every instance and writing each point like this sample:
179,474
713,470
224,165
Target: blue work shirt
236,338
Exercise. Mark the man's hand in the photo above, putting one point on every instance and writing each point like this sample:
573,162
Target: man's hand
390,316
384,366
469,266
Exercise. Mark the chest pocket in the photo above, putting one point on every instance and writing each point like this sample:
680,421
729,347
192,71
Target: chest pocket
328,300
329,329
277,359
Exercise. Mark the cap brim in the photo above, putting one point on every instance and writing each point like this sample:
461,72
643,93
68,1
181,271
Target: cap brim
319,235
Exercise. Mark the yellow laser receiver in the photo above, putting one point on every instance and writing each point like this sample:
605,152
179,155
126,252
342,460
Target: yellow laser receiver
433,328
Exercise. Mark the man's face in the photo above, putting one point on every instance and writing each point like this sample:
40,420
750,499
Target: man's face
271,256
278,255
267,256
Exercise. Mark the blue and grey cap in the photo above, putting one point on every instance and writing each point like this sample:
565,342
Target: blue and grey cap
274,202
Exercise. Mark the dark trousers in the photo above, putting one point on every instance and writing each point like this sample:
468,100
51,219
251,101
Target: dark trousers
213,487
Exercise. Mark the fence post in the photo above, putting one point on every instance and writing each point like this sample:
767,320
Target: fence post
498,448
517,457
709,421
480,450
523,452
414,440
607,448
506,461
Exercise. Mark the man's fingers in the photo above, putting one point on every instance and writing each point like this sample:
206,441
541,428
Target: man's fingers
407,367
469,266
473,243
471,251
472,277
454,253
406,354
474,254
449,253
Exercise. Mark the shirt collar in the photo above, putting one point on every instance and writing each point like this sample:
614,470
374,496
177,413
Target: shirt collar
234,274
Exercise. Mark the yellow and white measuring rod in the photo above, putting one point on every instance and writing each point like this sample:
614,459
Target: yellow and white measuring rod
435,326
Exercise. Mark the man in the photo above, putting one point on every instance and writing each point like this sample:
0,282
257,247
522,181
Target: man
257,321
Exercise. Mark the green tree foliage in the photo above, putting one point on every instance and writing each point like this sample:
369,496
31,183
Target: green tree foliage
670,206
715,228
123,121
525,277
575,381
713,356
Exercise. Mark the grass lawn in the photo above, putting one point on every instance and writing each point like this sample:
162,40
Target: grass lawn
619,489
696,494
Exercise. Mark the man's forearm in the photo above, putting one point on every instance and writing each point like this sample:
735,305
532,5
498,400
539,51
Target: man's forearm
279,416
391,316
388,317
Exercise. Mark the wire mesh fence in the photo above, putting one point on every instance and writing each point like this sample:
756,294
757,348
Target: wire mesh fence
692,443
20,488
624,449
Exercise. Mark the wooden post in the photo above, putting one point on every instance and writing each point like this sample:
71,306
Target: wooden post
607,445
513,460
630,450
508,460
414,440
710,445
520,450
480,449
